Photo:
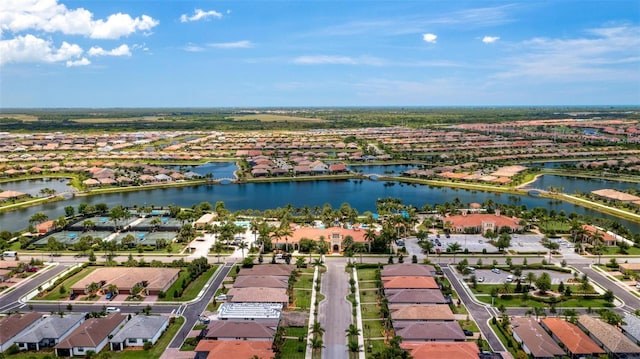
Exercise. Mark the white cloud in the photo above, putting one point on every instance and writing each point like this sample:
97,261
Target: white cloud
30,48
49,16
82,62
200,14
193,48
232,45
430,38
490,39
337,60
608,53
122,50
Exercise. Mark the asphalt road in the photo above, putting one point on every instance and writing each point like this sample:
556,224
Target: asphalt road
631,302
10,301
480,313
193,310
334,312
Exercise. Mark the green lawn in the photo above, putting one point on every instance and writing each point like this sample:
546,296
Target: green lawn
376,346
372,328
614,250
370,311
302,298
368,295
469,324
192,289
54,294
304,281
293,349
366,274
296,331
559,227
366,285
516,301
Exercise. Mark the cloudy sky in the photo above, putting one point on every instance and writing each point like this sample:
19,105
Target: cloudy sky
143,53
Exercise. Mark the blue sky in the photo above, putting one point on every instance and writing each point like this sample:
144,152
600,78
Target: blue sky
138,53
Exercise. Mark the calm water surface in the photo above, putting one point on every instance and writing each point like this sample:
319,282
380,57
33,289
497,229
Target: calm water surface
575,184
360,194
34,186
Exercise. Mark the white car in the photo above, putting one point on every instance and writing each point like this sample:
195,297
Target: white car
221,297
481,279
112,310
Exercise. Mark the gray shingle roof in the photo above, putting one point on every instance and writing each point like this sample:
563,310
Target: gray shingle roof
633,325
52,327
140,326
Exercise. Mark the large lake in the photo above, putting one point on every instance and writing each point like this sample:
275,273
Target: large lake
34,186
217,169
572,185
360,194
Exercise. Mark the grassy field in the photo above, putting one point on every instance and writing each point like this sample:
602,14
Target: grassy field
366,274
20,116
293,349
276,118
116,119
192,289
302,298
560,227
55,294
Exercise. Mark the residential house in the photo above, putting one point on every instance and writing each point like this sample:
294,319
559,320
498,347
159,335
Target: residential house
250,311
429,331
421,312
441,350
534,340
631,328
268,269
49,332
214,349
240,330
264,281
574,340
408,269
409,282
415,296
90,336
258,295
14,325
616,344
138,331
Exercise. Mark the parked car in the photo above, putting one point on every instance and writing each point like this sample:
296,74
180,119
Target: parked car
496,270
32,269
112,310
480,280
467,332
221,297
73,296
109,296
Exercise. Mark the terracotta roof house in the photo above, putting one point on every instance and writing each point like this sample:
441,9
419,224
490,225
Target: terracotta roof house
408,269
409,282
214,349
268,269
45,226
415,296
49,332
337,168
442,350
421,312
534,340
138,330
429,331
576,342
264,281
635,267
240,330
92,335
607,238
154,280
6,195
14,325
482,223
632,327
258,295
611,338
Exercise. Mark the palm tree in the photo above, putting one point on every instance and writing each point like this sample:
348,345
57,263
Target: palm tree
317,329
352,330
531,277
598,249
243,245
369,236
353,346
427,246
316,344
454,247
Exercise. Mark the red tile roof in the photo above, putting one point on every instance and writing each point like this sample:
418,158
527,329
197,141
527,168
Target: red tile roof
409,282
236,348
442,350
574,339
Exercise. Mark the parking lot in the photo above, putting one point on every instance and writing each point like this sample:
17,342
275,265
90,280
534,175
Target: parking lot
490,277
476,243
